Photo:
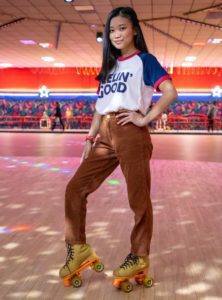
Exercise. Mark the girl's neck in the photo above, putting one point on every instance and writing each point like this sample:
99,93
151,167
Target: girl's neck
128,52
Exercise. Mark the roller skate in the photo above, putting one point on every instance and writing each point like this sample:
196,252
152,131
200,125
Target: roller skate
134,267
78,258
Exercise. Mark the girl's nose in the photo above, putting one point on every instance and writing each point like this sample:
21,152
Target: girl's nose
117,33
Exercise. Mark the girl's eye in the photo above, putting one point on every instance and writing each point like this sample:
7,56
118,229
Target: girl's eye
122,28
111,31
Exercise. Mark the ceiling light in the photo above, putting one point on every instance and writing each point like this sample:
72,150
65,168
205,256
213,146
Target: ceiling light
59,65
5,65
28,42
99,37
190,58
187,64
47,58
84,8
68,1
46,45
214,41
198,44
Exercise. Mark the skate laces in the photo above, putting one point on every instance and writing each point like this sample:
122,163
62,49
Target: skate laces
130,261
70,254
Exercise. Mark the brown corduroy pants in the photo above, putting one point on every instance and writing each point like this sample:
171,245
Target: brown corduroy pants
130,147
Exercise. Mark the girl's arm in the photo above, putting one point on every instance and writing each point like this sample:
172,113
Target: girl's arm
169,94
94,129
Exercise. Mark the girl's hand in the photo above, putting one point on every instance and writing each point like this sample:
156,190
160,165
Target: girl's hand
133,117
86,151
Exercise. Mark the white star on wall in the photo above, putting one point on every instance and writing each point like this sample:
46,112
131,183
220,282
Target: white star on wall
217,91
44,92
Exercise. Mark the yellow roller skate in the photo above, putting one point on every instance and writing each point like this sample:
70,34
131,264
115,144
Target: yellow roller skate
134,267
78,258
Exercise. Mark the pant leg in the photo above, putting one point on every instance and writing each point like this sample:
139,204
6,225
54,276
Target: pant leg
134,149
53,124
61,122
92,172
210,124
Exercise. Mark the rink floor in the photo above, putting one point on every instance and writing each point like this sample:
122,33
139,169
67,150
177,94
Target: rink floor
186,260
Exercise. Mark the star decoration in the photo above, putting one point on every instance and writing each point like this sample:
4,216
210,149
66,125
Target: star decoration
217,91
44,92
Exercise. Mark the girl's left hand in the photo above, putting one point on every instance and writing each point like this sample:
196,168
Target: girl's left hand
131,117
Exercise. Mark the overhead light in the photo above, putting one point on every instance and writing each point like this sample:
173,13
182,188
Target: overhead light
5,65
198,44
59,64
99,37
48,58
68,1
187,64
214,41
46,45
84,8
28,42
190,58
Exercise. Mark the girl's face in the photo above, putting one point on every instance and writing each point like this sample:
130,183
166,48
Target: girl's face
122,35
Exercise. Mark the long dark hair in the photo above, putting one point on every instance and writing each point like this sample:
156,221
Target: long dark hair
110,53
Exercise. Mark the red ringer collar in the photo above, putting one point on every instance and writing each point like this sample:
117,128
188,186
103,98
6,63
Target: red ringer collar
121,58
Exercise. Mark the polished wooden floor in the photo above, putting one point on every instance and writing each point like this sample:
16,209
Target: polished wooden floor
186,255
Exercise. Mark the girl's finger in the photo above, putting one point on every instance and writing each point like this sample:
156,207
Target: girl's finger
122,115
125,122
122,120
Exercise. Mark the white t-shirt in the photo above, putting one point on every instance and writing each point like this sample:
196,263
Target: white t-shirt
131,84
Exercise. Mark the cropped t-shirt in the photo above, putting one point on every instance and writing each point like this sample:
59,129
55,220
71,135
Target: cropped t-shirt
131,84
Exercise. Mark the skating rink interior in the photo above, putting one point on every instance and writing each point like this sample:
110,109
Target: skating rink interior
186,253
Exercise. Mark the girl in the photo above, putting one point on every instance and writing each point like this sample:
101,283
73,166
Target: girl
127,80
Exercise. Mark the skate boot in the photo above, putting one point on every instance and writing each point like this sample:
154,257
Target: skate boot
134,267
78,258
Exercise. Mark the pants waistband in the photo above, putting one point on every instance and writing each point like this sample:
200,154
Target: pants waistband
115,113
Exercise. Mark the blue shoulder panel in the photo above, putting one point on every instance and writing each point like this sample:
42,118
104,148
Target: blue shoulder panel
153,72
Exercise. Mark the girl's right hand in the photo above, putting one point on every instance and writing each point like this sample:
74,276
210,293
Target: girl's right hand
86,151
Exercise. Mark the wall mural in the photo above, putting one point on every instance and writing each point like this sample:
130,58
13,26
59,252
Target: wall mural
83,109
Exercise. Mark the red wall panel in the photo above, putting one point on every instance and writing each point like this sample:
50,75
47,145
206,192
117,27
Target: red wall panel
83,79
53,78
